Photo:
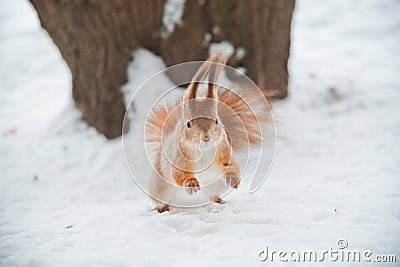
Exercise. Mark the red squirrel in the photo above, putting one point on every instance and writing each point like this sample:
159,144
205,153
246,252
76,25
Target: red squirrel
195,137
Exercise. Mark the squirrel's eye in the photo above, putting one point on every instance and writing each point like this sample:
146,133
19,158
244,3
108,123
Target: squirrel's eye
188,125
216,121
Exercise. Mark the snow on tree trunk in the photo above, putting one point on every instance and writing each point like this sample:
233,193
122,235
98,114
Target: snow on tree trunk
96,37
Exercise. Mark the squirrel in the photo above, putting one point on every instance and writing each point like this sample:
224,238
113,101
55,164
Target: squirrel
195,138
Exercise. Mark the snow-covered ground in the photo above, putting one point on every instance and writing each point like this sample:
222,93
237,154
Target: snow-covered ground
66,197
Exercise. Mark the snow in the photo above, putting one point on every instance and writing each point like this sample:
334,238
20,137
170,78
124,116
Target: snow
240,53
224,46
228,50
66,197
172,16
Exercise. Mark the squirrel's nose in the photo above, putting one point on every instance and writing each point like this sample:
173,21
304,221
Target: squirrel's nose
206,139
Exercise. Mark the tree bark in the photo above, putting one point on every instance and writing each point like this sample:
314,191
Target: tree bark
96,37
262,27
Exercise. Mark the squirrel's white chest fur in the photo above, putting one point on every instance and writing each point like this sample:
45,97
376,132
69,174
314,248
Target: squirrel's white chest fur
207,171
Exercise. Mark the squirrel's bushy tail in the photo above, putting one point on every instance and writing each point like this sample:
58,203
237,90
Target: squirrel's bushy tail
244,114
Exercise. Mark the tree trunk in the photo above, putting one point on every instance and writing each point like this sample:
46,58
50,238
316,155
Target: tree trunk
96,38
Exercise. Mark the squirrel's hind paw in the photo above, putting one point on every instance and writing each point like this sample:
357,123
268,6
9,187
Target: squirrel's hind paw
219,200
162,208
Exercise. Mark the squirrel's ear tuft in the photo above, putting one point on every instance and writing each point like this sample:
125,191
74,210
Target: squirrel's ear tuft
217,64
211,81
212,67
192,90
196,80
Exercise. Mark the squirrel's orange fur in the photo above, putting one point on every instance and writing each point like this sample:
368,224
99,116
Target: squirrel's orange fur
230,118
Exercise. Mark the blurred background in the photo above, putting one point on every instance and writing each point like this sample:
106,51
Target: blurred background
66,197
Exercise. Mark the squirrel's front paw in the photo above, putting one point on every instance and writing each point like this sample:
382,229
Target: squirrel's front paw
191,185
232,179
